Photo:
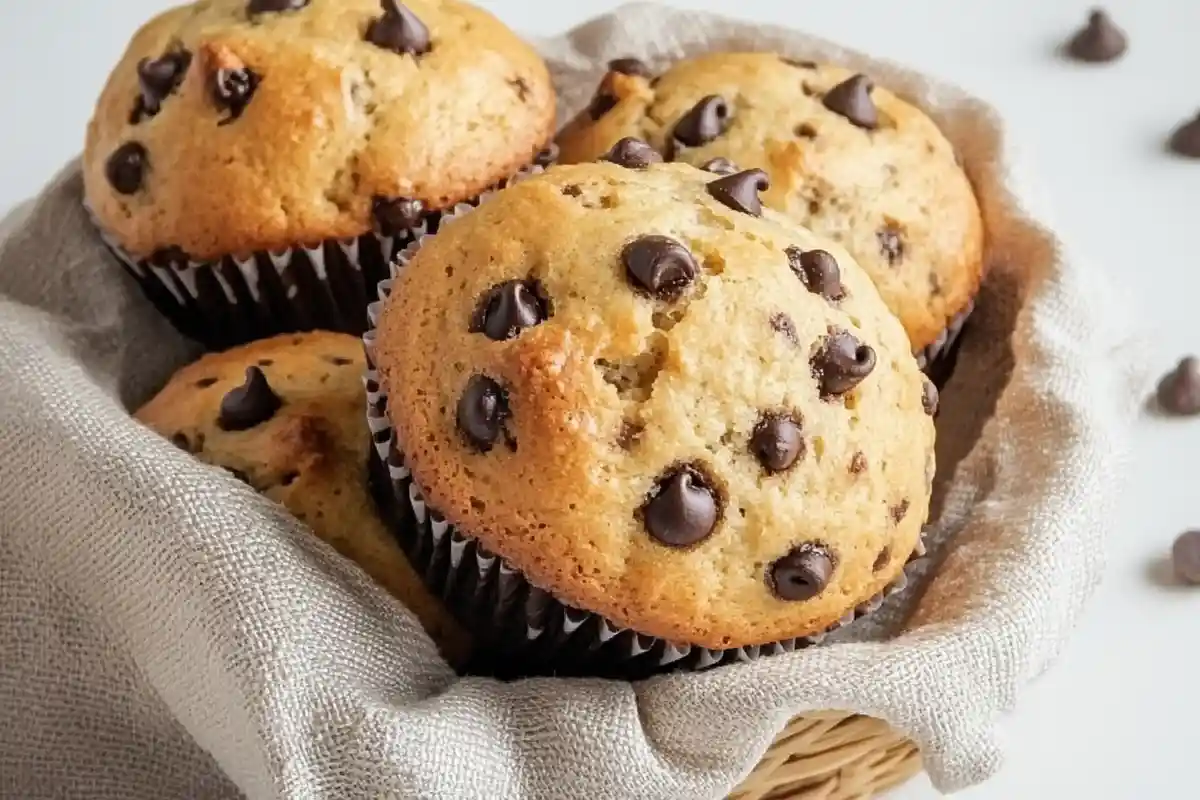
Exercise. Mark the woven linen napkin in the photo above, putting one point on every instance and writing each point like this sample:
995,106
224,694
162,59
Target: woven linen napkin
165,632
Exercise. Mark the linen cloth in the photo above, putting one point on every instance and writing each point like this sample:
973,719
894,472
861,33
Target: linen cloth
165,632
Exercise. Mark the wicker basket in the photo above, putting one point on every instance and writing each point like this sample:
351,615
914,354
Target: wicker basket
831,756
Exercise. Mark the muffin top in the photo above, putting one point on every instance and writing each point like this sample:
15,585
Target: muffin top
232,126
847,159
660,402
285,416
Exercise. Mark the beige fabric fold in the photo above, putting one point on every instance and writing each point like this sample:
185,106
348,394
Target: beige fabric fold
165,632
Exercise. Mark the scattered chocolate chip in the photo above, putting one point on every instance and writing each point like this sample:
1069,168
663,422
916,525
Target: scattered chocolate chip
782,323
547,155
232,89
799,63
841,363
852,100
883,559
1185,557
818,271
707,120
806,131
802,574
126,167
1100,40
269,6
891,246
632,153
1185,140
482,412
929,398
858,463
898,511
396,215
399,30
509,308
158,78
740,190
719,166
776,442
659,265
683,509
248,405
630,66
1179,390
204,383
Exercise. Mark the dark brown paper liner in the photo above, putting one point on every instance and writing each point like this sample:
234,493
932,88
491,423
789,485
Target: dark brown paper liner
231,301
520,628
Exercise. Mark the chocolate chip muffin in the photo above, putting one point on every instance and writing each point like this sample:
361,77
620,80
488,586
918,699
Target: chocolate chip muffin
690,425
845,158
285,416
256,163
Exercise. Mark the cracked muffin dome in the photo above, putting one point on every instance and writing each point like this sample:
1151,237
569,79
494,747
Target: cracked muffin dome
284,415
236,126
846,158
660,402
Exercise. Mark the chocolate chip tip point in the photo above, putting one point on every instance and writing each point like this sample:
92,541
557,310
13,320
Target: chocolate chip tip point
738,459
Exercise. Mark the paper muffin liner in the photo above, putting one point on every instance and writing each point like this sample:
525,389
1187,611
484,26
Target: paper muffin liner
326,286
522,629
937,358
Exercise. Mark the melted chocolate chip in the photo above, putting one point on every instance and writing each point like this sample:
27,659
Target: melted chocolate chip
1185,140
509,308
782,323
707,120
802,574
248,405
883,559
777,442
630,66
396,215
1099,41
232,89
719,166
269,6
126,167
482,412
806,131
632,153
1179,390
852,100
1185,557
891,246
858,463
659,265
899,511
157,79
399,30
683,509
204,383
929,398
818,271
740,190
841,363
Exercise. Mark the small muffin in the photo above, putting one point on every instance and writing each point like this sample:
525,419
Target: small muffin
257,163
673,412
845,158
285,416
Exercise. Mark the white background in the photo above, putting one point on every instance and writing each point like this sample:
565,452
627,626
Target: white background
1117,717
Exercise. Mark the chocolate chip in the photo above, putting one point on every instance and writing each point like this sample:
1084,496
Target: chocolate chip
929,398
1179,390
158,78
899,511
891,246
232,89
841,363
248,405
852,100
571,190
482,412
204,383
339,361
659,265
806,131
509,308
802,574
520,87
782,323
1185,557
547,155
719,166
1098,41
858,463
882,560
630,66
683,508
707,120
126,167
740,190
396,215
632,153
399,30
776,442
818,271
799,63
1185,140
269,6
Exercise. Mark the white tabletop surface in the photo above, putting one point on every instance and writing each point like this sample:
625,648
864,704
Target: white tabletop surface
1116,718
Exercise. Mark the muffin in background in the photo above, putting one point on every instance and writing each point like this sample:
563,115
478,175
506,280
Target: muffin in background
845,158
285,416
255,164
633,421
